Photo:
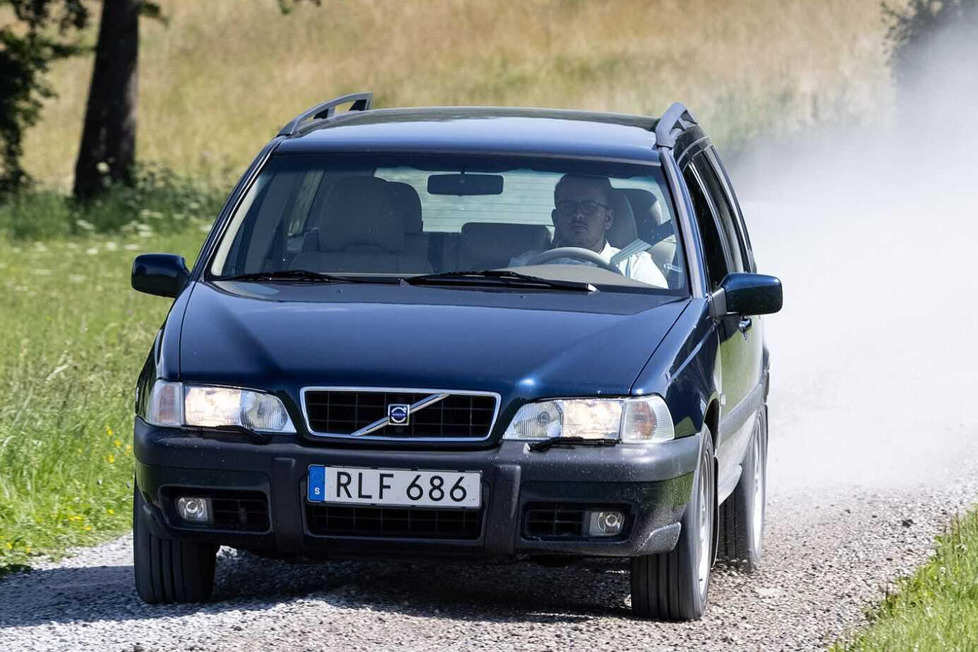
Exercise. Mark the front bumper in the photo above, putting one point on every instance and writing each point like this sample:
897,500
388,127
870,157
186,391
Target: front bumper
651,483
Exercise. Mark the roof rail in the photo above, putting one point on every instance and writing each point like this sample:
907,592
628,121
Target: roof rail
676,118
360,101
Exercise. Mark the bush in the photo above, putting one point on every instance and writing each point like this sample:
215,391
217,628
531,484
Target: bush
160,201
934,54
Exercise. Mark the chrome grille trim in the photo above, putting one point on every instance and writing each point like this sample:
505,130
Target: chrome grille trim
434,395
386,421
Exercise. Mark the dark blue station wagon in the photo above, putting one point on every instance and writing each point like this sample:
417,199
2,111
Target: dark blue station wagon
462,333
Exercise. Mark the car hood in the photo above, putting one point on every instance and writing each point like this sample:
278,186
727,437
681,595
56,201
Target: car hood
285,336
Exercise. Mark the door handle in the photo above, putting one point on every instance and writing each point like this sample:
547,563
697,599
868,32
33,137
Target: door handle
745,325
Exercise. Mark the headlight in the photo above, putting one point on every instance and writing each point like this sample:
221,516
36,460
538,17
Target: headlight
175,404
631,420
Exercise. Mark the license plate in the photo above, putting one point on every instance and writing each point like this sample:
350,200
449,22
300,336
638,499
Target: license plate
341,485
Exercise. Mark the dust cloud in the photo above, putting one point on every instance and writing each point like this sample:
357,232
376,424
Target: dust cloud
874,232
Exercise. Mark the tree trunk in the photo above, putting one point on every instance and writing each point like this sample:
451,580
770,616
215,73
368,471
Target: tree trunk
108,144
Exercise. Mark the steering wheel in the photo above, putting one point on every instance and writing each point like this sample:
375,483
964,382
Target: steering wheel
578,253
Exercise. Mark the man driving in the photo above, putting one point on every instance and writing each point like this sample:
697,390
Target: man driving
582,216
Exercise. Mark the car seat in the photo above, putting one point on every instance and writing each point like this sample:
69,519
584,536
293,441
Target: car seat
649,219
407,204
359,231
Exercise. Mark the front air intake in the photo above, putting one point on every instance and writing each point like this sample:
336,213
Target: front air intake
406,415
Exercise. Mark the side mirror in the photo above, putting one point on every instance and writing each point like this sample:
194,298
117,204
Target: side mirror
164,275
748,294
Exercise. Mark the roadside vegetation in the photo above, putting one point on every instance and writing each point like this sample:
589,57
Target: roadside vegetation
936,608
72,337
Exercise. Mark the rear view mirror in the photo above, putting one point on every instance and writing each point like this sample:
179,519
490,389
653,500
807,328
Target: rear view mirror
465,184
164,275
750,294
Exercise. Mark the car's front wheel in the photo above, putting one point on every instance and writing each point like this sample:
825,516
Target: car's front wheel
169,570
674,585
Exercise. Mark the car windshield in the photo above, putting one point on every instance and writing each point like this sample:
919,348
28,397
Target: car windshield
426,219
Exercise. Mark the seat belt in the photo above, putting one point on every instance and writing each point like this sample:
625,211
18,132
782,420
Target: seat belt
629,250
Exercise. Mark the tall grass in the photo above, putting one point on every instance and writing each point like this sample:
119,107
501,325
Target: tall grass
158,202
74,336
223,76
936,608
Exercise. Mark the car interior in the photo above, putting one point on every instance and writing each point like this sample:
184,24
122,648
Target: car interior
389,233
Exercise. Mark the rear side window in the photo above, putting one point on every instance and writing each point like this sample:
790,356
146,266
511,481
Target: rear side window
731,199
724,211
713,248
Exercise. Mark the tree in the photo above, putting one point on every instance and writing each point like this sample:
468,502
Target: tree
45,31
108,146
108,143
26,52
934,53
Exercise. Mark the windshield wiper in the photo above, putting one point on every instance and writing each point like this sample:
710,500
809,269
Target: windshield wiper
547,444
289,275
497,277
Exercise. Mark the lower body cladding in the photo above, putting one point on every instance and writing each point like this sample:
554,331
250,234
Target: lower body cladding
620,501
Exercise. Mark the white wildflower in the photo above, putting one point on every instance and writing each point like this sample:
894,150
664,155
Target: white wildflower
57,370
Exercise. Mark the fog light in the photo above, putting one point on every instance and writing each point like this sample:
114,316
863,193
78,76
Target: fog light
605,524
197,510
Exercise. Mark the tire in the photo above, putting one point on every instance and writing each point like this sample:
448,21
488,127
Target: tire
741,539
674,585
169,570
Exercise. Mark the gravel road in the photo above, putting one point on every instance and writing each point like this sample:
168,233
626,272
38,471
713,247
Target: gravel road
829,553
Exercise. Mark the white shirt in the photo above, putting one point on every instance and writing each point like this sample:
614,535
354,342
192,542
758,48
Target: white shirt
640,266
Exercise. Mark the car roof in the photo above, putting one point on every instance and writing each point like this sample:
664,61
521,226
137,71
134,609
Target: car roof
481,130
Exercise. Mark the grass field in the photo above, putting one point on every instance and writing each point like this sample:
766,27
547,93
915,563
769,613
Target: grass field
74,336
223,76
937,608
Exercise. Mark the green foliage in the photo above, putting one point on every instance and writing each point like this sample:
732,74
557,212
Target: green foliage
74,338
288,6
25,57
159,201
935,609
916,28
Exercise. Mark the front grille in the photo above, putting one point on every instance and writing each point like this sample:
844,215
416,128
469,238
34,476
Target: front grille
420,523
239,511
343,412
548,521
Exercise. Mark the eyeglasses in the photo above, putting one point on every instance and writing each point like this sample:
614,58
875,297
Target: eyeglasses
568,207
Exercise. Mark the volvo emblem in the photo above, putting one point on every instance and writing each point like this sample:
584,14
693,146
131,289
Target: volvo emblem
398,414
